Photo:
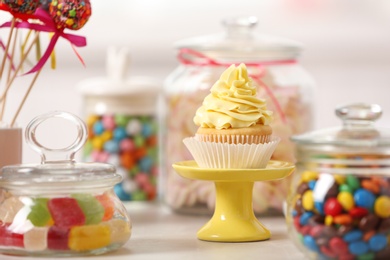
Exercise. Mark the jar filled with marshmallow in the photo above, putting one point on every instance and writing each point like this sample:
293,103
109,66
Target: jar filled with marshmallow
121,115
273,66
339,205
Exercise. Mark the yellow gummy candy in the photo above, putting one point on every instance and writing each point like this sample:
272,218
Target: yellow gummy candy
120,230
82,238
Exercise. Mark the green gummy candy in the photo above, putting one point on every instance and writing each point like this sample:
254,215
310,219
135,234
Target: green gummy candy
39,214
91,207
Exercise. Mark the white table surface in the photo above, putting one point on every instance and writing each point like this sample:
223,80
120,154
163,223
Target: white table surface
158,233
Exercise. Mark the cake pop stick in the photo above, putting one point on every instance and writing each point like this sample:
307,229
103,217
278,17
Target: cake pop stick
18,67
12,55
7,47
9,72
23,47
25,97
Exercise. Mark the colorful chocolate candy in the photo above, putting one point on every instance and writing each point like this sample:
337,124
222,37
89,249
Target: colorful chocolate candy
71,14
79,222
342,216
22,7
129,143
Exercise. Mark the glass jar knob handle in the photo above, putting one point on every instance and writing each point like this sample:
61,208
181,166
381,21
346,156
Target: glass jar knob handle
239,27
66,154
359,113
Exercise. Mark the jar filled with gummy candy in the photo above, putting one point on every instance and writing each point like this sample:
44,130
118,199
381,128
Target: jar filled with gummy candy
273,65
60,207
339,202
121,115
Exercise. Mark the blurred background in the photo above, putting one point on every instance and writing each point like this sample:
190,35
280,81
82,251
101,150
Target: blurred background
346,50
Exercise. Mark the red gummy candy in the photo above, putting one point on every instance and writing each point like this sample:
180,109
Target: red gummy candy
66,212
57,238
7,238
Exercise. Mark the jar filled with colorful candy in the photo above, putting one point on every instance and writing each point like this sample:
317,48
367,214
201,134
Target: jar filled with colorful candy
60,207
273,65
339,206
121,115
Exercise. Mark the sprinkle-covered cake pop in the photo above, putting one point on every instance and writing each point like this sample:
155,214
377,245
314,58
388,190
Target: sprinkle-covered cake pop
71,14
22,6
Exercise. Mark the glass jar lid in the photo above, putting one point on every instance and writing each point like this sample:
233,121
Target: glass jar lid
358,130
58,171
240,43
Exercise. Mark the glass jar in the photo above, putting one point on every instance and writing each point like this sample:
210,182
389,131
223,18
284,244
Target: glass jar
60,207
121,116
339,205
272,64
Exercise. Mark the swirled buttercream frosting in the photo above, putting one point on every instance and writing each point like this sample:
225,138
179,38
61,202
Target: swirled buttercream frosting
232,103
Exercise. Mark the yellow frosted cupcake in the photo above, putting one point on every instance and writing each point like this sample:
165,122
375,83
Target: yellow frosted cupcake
234,130
232,113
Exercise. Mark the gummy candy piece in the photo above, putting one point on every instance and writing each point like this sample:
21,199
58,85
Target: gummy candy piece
120,230
36,239
91,208
108,206
39,215
9,208
7,238
66,212
57,238
89,237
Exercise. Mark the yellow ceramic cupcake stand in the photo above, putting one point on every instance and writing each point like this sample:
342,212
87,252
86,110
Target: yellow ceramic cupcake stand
234,219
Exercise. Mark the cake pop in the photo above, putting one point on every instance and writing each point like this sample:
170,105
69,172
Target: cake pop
45,4
24,7
71,14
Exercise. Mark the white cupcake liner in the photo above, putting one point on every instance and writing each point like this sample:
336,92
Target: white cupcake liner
234,139
231,156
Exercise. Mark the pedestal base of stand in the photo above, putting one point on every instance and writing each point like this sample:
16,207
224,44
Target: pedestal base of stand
224,231
234,219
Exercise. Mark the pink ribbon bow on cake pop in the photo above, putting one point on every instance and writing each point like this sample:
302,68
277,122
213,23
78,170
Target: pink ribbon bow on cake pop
49,26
